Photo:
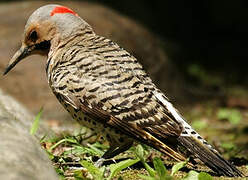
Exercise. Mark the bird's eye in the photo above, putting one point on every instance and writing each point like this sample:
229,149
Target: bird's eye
33,36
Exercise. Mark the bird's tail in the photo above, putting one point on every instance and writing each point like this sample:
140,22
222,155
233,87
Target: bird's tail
209,156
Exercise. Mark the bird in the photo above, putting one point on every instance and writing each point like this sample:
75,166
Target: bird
106,89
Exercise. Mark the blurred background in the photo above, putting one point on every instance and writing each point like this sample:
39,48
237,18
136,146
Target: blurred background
195,51
211,35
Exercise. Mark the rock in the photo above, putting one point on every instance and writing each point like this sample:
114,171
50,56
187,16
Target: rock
27,82
21,155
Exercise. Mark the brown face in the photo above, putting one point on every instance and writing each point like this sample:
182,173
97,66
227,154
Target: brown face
34,43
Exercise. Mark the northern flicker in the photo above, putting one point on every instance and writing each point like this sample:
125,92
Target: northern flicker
106,89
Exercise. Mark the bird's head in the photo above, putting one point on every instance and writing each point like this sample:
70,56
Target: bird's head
47,26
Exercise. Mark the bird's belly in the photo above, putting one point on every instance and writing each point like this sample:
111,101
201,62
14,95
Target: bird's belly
105,131
83,119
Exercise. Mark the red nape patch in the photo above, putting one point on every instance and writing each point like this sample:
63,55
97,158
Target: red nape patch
62,9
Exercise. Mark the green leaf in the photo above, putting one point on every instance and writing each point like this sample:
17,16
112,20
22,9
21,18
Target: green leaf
62,141
198,125
149,169
202,76
178,166
146,177
42,139
139,151
100,146
50,155
160,168
36,122
232,115
79,150
60,172
235,117
228,146
97,173
204,176
78,175
116,168
95,149
192,175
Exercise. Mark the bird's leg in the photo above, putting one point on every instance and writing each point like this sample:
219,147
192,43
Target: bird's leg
113,151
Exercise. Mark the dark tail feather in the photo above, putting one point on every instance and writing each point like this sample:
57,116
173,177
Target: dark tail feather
209,157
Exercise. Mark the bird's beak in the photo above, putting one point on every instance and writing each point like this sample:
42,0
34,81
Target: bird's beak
23,52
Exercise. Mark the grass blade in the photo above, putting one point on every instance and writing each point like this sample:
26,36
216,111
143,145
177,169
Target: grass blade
160,168
97,173
73,141
139,151
36,123
116,168
204,176
178,166
146,177
96,150
192,175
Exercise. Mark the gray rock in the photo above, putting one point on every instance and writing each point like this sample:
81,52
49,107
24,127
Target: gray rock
21,155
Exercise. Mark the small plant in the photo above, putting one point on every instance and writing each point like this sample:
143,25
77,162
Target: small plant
199,125
232,115
201,75
116,168
98,173
193,175
36,123
160,173
178,166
